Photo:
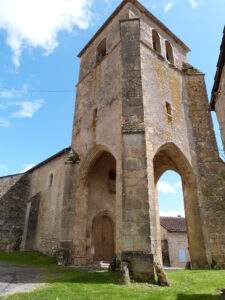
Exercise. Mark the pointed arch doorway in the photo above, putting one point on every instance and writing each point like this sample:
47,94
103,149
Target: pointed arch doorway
103,238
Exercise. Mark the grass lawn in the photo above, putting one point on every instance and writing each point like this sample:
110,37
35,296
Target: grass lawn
71,283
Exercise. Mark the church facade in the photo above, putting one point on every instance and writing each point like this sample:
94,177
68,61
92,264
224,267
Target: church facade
141,109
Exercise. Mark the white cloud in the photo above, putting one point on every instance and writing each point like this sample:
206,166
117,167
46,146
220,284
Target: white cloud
3,168
7,93
4,123
172,213
36,23
168,6
28,108
26,168
178,185
165,187
194,3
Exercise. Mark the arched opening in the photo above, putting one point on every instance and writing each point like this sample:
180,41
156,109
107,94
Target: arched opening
170,157
156,41
101,206
174,240
169,52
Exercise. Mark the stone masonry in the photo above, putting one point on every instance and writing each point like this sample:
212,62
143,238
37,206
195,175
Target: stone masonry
141,110
218,92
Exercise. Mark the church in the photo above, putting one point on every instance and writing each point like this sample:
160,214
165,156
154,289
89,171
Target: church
141,109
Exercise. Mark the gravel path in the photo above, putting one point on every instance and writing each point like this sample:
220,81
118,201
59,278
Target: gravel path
14,279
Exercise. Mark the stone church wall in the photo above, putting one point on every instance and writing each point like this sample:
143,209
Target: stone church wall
14,193
220,106
47,187
31,207
99,92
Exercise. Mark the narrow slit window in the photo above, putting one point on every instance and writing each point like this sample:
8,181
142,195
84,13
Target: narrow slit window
101,51
50,180
156,41
94,120
168,109
169,52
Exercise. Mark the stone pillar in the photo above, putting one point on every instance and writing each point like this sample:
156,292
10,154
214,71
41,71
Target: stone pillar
209,168
24,237
68,210
30,224
68,217
135,202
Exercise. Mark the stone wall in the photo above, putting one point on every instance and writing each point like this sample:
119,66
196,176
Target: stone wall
147,25
99,92
46,197
167,141
209,168
220,107
136,234
127,96
14,193
176,241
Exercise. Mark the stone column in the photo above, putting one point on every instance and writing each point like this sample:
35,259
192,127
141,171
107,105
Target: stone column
209,168
136,244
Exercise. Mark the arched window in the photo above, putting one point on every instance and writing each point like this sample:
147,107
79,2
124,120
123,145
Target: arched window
169,52
156,41
101,51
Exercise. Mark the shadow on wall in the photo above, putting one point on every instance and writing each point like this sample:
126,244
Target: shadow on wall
199,297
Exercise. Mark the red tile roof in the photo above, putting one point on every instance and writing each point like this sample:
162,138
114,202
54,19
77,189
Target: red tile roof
173,224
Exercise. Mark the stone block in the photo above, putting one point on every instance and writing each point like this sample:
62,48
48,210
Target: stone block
141,265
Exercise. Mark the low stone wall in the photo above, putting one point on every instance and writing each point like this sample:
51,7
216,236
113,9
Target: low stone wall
14,192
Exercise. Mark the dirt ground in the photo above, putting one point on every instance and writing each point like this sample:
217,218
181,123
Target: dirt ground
14,279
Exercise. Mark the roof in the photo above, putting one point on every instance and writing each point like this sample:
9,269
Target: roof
58,154
220,65
173,224
143,10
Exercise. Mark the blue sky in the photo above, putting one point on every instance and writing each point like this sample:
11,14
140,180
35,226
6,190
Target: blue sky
39,41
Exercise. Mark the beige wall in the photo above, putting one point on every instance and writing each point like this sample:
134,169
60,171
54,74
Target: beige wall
49,218
177,241
100,87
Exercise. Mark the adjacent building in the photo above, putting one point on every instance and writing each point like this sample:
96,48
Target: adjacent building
174,242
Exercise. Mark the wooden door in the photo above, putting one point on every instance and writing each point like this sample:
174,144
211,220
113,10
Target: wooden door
103,239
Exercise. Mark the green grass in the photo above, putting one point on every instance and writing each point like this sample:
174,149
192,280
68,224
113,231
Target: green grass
33,259
77,284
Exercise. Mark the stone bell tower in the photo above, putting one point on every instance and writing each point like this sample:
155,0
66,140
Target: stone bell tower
141,110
